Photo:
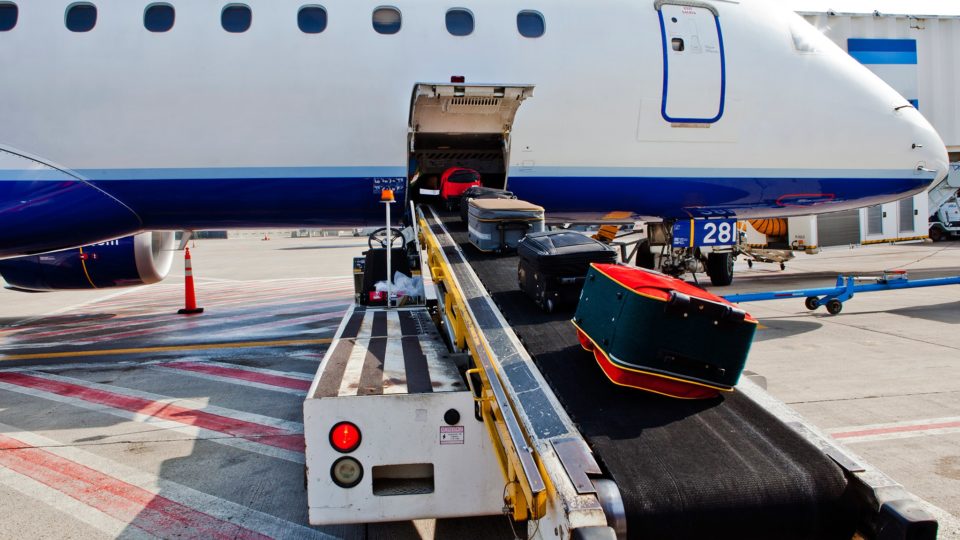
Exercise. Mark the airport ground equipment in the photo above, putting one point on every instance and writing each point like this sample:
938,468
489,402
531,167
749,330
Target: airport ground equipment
945,221
832,298
570,455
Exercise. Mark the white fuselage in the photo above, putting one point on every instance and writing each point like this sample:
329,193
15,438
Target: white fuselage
127,109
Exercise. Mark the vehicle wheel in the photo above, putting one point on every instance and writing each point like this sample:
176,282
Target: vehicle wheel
720,268
749,263
548,306
645,257
811,303
783,266
834,307
936,234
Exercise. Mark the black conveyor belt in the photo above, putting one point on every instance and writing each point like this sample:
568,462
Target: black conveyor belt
719,468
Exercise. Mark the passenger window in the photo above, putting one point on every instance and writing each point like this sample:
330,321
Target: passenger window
531,24
236,18
312,19
159,17
386,20
81,17
8,16
677,44
459,22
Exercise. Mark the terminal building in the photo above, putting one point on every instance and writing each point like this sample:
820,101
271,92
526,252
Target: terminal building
912,46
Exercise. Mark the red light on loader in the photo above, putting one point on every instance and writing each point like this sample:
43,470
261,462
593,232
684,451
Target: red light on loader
345,437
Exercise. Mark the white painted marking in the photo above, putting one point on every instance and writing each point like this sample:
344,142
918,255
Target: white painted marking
350,384
292,427
69,506
394,367
219,508
191,432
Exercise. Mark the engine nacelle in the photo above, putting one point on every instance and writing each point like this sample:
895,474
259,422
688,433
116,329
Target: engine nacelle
132,260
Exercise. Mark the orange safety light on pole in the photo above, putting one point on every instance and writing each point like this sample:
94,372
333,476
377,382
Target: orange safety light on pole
190,297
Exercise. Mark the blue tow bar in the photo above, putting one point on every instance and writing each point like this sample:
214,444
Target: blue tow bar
834,297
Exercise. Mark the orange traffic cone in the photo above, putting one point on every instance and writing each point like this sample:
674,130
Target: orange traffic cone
190,307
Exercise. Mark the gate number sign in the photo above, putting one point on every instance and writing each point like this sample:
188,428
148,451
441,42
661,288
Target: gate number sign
705,232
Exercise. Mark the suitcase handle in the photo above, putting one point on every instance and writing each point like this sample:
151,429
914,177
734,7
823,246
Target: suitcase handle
683,305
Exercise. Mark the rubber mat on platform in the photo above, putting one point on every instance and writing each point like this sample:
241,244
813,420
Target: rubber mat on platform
719,468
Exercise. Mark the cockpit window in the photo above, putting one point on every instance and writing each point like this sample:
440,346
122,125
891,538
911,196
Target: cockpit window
8,16
459,22
531,24
386,20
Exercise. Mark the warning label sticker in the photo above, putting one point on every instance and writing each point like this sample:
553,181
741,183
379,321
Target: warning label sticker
451,434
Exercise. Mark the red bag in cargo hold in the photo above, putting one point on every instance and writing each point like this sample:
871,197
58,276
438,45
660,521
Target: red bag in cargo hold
660,334
455,181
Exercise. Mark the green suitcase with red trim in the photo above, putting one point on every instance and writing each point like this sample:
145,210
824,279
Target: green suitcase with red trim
660,334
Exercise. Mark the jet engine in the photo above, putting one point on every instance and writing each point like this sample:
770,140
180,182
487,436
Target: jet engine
141,259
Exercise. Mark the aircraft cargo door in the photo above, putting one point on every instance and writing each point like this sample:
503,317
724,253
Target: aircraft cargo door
462,125
694,71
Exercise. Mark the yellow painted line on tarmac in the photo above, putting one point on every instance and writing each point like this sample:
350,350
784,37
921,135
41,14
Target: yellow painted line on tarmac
167,348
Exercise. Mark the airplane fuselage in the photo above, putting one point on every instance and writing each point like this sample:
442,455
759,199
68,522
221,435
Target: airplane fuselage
751,113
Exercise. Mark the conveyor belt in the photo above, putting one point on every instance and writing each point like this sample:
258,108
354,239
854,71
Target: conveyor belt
720,468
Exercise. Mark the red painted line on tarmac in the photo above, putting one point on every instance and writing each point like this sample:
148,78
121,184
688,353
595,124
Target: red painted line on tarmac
895,429
140,508
242,374
251,431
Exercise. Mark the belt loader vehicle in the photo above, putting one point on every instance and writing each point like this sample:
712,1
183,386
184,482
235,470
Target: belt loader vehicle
477,402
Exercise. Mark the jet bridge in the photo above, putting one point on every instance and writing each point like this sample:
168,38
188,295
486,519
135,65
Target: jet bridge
577,457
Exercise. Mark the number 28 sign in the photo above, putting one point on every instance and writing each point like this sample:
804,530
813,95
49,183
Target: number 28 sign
704,232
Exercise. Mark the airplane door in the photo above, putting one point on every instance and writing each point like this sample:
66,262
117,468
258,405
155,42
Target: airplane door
694,72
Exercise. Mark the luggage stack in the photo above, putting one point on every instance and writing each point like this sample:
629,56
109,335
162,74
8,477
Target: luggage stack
554,264
497,225
481,192
661,334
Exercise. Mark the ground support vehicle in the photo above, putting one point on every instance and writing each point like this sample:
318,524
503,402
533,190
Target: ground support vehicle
945,222
578,457
834,297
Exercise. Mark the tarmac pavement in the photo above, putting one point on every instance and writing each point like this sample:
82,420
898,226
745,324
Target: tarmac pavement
119,418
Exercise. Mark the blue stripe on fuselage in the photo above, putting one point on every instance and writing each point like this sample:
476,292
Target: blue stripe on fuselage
671,197
232,200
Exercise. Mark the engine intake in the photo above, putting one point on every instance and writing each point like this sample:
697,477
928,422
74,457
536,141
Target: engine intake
141,259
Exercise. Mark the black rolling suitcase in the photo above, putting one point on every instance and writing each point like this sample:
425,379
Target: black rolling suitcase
554,264
480,192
